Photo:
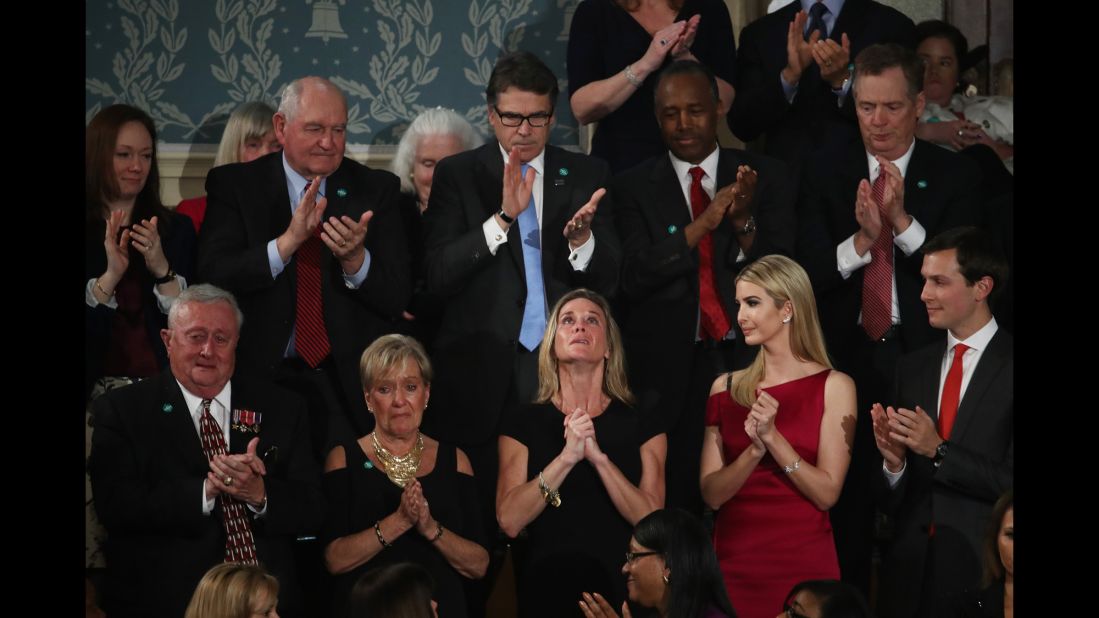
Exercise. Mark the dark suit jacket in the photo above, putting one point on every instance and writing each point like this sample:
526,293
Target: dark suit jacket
940,191
958,497
813,120
484,293
248,206
659,300
147,468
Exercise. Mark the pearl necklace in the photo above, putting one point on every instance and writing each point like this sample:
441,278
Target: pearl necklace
401,470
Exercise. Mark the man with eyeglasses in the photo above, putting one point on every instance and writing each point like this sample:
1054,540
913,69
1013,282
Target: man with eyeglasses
510,228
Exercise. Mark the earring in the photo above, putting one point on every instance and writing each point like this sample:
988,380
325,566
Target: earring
665,578
787,319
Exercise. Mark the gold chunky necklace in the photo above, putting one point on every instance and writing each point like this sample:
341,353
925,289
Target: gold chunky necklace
401,470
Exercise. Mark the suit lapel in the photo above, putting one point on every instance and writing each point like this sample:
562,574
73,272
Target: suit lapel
339,193
275,194
851,20
984,377
932,375
671,208
178,421
556,190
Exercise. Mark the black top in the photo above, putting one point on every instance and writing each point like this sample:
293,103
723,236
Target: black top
579,546
427,308
604,38
361,494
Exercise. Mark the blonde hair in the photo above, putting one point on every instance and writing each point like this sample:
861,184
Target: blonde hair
388,353
784,280
231,590
615,383
251,120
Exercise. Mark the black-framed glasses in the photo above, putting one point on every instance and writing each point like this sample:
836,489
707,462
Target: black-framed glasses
634,555
511,119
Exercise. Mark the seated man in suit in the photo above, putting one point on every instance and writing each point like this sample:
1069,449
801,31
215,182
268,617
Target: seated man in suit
793,78
865,210
947,442
689,221
195,466
510,227
313,245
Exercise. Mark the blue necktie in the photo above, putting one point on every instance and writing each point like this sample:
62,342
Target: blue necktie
534,311
816,21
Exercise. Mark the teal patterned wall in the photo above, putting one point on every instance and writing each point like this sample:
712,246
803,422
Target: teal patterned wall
190,63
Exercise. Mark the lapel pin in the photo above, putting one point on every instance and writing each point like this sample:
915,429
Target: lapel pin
166,408
921,184
558,182
672,229
368,465
341,192
247,421
564,171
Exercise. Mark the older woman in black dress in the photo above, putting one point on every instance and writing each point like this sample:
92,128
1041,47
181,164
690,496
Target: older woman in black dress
578,467
379,486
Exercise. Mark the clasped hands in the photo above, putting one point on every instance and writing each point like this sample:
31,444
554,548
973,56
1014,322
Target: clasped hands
516,198
870,218
415,510
342,235
833,58
238,475
897,431
760,422
580,440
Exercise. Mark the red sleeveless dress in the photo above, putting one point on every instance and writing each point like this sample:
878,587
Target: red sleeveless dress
769,536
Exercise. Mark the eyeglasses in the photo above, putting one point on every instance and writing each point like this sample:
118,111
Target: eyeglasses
634,555
509,119
790,613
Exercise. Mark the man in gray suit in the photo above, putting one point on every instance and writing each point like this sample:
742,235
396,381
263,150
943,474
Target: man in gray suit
948,445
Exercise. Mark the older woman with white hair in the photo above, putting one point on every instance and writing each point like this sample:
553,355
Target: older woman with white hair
434,134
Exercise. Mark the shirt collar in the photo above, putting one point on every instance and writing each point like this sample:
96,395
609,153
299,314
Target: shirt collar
978,340
708,165
296,183
834,6
225,398
538,163
901,163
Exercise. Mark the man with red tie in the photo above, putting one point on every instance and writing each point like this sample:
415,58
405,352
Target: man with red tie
865,210
947,441
311,243
689,220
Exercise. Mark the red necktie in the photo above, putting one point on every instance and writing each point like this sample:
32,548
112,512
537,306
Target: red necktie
713,323
952,393
877,277
310,335
240,545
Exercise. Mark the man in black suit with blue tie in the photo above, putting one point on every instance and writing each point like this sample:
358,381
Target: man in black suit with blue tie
947,441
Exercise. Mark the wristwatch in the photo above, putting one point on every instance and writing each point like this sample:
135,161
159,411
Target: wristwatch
940,453
505,217
749,226
168,276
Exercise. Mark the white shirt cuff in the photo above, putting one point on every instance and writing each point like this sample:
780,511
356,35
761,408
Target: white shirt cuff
165,302
789,90
847,259
92,301
580,257
273,259
894,477
912,238
494,234
207,503
354,281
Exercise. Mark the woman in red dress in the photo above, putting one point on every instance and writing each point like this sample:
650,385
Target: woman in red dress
777,443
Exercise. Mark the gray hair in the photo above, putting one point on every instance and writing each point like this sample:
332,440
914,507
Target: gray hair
434,121
206,294
291,94
252,120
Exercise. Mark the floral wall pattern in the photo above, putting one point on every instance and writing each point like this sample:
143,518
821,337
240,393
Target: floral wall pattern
190,63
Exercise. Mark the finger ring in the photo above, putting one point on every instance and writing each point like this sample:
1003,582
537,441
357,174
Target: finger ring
663,41
960,133
228,480
827,63
342,243
580,225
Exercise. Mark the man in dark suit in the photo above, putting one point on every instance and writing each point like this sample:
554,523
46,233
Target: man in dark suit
947,443
312,244
793,85
179,458
865,267
684,239
510,227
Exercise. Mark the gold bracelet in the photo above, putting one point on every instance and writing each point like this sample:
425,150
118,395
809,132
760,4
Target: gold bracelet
378,532
100,288
551,496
